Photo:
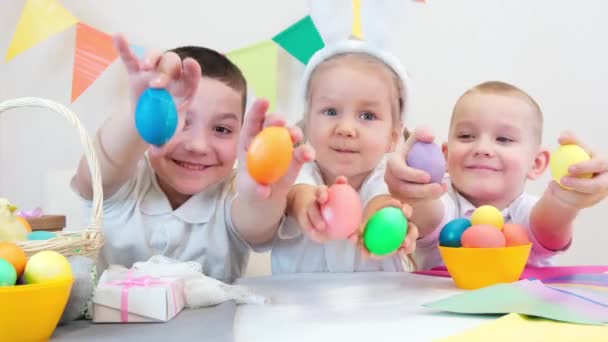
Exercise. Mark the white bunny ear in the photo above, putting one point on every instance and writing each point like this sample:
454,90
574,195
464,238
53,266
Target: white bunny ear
379,20
333,19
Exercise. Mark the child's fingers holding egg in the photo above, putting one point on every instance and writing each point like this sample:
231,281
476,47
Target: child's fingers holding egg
151,60
253,123
569,138
127,56
274,120
321,194
314,217
590,186
595,165
409,243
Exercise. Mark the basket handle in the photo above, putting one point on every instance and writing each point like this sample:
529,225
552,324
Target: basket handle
89,151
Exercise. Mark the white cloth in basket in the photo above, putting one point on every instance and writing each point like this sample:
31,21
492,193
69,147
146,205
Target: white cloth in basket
200,290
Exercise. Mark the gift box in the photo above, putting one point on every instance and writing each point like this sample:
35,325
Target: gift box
129,296
47,222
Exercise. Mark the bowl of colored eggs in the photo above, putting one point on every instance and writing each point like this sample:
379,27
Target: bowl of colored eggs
33,293
484,251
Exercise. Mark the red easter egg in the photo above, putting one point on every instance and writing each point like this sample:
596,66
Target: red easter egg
515,234
482,236
342,212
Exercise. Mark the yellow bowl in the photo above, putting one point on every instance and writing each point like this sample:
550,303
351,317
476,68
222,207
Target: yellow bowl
31,312
473,268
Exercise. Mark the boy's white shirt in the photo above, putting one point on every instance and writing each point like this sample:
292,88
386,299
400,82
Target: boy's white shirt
455,206
294,252
139,223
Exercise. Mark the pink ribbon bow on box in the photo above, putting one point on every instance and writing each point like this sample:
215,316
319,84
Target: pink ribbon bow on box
143,281
34,213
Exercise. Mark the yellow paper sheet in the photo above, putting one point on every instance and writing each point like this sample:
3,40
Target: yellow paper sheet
518,328
39,20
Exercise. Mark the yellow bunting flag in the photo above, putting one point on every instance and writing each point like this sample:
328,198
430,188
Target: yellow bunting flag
357,31
259,66
39,20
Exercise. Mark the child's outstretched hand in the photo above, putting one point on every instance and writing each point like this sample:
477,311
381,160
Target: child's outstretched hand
585,192
255,120
408,184
409,243
309,214
159,70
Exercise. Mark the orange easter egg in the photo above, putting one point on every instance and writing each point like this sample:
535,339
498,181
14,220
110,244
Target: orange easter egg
25,224
515,234
482,236
14,255
269,155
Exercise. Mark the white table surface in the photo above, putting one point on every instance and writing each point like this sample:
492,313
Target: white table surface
345,307
349,307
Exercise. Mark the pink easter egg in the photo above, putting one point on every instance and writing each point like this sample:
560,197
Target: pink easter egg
515,234
482,236
342,212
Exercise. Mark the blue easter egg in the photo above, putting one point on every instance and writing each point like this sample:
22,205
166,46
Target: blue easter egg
452,231
41,235
156,116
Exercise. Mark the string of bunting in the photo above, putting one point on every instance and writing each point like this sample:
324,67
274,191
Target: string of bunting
94,52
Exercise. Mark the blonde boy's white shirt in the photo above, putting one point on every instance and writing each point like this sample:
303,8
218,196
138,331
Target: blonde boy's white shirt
456,206
139,223
294,252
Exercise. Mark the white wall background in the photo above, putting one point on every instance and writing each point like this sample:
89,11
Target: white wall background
557,50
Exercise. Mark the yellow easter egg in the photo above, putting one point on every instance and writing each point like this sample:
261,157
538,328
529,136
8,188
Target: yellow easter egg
487,214
47,266
563,157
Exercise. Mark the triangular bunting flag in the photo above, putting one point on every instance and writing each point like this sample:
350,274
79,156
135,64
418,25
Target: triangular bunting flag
301,39
94,52
39,20
357,32
139,51
259,66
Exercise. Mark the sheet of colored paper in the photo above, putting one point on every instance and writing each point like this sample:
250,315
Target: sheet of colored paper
524,297
515,327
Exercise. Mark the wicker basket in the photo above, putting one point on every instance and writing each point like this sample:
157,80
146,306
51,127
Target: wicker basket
86,242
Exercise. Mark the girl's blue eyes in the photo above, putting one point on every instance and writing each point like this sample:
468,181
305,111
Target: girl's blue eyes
365,115
330,112
368,116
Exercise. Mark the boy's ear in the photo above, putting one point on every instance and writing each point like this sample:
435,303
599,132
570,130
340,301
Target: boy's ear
444,149
541,161
396,135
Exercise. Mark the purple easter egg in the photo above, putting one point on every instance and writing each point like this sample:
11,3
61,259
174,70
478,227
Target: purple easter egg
429,158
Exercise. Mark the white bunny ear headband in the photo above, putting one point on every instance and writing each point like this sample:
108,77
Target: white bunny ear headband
334,19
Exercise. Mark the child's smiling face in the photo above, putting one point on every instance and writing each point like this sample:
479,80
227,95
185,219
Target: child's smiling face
494,147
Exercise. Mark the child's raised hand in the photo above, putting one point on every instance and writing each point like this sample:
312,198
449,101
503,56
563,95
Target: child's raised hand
159,70
409,243
408,184
585,192
255,120
309,216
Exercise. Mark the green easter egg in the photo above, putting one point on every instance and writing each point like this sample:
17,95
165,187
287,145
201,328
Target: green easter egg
8,275
41,235
385,231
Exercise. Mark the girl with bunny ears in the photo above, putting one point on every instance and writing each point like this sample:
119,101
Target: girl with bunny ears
355,96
